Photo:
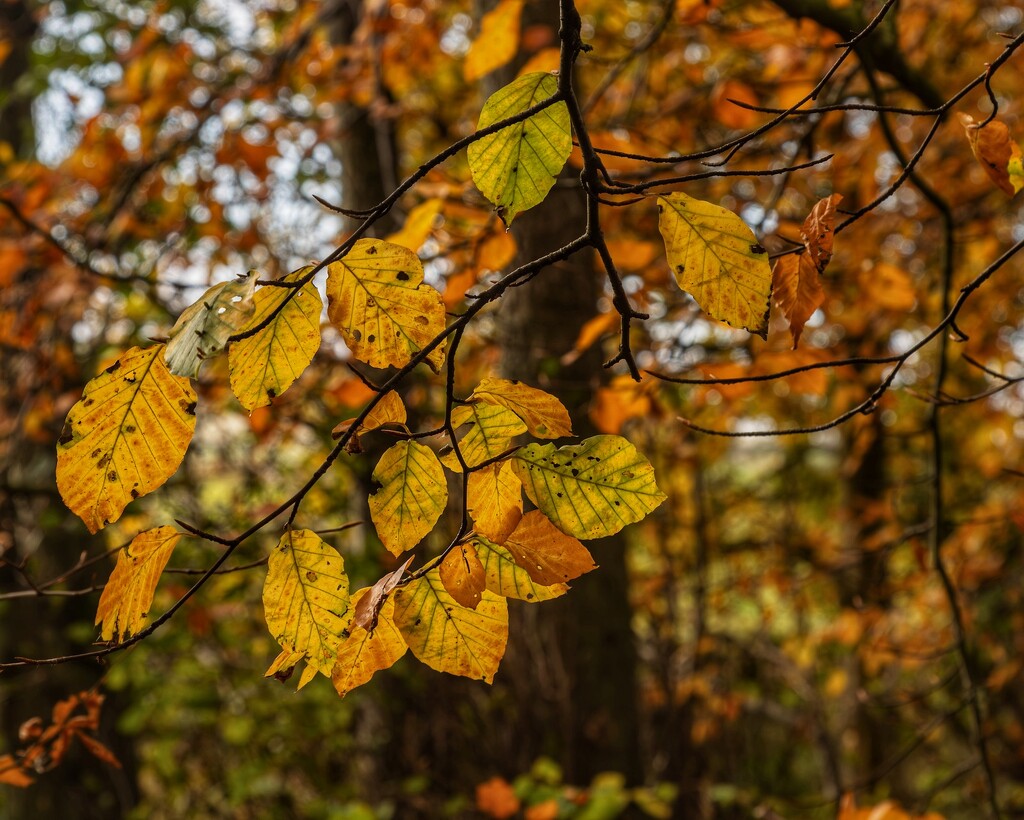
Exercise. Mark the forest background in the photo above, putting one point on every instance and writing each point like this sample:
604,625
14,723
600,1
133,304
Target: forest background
823,619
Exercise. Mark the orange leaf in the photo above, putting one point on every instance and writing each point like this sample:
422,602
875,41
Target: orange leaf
994,149
796,285
548,555
819,231
12,774
496,798
463,575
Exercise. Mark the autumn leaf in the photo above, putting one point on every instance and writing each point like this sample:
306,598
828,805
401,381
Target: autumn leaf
264,365
306,602
998,154
449,637
12,773
203,329
389,410
516,167
497,41
796,286
547,554
504,577
494,499
489,430
463,575
619,401
592,489
125,437
496,798
128,594
366,651
378,301
418,225
544,415
717,259
818,231
412,495
368,607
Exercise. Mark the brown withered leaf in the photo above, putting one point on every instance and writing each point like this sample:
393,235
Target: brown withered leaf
463,575
818,231
369,605
996,151
796,286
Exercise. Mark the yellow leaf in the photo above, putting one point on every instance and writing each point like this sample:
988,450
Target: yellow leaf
463,575
497,41
516,167
796,286
504,577
412,495
202,330
389,410
266,364
998,154
125,437
546,553
306,602
128,595
418,225
591,489
715,257
448,637
494,498
545,416
489,433
377,299
364,653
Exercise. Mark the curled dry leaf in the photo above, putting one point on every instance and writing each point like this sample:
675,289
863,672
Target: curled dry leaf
368,607
998,154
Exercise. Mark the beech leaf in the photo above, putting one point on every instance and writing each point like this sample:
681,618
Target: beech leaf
717,259
797,290
449,637
494,498
412,495
463,575
998,154
489,433
264,365
125,437
366,651
544,415
504,577
203,329
517,166
592,489
368,607
546,553
306,602
124,604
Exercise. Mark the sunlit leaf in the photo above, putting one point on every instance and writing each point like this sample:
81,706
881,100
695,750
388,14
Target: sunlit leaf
463,575
306,601
997,152
412,495
591,489
489,430
377,299
818,231
797,290
363,652
497,41
717,259
545,552
124,605
125,437
389,410
504,577
494,499
266,364
203,328
516,167
449,637
545,416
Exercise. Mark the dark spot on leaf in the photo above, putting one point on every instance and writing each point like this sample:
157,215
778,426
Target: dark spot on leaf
418,622
113,367
371,250
371,338
188,407
130,379
88,403
112,476
311,576
271,393
402,276
65,434
559,495
357,334
529,596
755,248
135,493
129,428
575,472
680,269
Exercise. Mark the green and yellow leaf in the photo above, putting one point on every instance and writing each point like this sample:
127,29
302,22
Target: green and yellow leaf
306,602
546,553
363,653
124,605
504,577
203,329
378,301
125,437
463,575
266,364
517,166
545,416
494,498
497,41
592,489
449,637
717,259
489,430
412,495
